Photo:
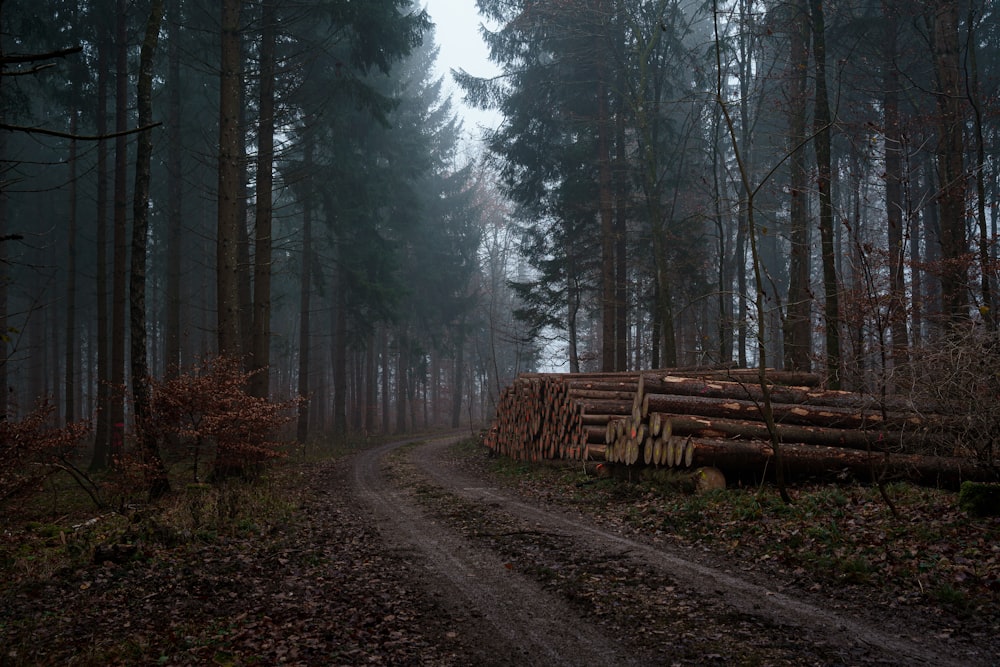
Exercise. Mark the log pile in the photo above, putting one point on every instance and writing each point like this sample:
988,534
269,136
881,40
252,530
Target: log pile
690,418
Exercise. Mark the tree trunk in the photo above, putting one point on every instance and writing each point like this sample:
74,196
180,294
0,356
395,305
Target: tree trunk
148,446
305,291
118,324
339,352
894,185
102,429
402,368
605,190
72,339
987,271
371,385
458,375
824,183
261,336
175,176
813,459
4,270
950,152
227,240
798,321
621,244
719,427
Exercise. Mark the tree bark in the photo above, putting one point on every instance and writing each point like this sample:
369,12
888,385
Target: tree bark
787,413
950,152
824,183
305,291
72,340
175,175
118,324
261,336
802,459
798,321
148,446
720,427
227,240
894,204
101,457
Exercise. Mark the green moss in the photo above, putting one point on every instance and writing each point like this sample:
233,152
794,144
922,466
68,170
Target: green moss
979,499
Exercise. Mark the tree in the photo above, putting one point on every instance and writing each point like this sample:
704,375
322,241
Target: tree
159,484
950,121
798,320
227,239
824,183
261,335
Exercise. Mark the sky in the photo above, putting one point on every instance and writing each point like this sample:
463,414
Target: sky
457,34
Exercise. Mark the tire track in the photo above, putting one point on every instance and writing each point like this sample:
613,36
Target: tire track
524,624
741,595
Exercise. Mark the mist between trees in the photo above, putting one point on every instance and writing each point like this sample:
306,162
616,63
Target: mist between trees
304,203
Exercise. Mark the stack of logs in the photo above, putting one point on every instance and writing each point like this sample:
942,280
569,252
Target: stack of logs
676,418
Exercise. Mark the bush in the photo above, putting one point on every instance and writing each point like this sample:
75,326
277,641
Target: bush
207,408
31,449
959,376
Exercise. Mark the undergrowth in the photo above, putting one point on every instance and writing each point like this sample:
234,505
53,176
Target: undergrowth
841,536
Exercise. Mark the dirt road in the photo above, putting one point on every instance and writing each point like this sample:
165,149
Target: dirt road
536,584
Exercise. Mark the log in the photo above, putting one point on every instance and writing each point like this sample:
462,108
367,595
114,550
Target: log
806,415
600,394
875,439
801,459
752,375
691,386
593,406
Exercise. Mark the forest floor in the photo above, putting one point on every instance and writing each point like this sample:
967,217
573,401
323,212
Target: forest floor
434,553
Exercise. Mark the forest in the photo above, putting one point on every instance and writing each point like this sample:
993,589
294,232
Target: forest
798,184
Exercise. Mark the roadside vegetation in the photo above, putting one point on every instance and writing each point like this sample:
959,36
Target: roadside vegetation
839,539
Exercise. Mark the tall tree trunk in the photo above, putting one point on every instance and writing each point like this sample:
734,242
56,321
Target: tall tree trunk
261,338
621,178
974,92
156,470
605,190
458,375
118,325
340,348
305,291
824,184
384,357
172,335
4,266
102,429
798,325
950,152
402,368
371,384
894,184
72,340
227,241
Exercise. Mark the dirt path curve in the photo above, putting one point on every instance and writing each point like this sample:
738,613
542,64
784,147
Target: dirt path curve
521,623
509,609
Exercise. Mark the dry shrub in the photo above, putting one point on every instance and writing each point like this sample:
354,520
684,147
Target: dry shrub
959,376
208,410
31,449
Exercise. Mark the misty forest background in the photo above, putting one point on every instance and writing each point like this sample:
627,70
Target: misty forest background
812,185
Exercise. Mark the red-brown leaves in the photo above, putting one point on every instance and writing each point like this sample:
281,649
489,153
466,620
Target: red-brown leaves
209,405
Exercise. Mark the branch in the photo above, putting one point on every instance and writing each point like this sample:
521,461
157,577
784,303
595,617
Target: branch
77,137
34,70
35,57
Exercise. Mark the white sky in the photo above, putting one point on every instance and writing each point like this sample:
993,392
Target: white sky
457,34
